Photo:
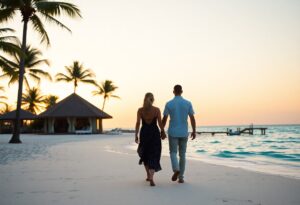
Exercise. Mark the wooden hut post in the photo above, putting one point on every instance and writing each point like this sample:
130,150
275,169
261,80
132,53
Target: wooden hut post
45,125
71,122
93,124
100,126
51,125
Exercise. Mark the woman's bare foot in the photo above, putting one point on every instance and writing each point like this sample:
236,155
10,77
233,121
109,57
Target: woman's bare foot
151,182
148,173
151,172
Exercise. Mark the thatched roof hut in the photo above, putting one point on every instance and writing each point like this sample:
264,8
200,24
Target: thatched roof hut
73,115
7,120
24,115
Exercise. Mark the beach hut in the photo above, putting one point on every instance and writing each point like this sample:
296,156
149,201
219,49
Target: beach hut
73,115
7,120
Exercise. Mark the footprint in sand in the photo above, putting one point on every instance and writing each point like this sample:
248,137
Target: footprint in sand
237,201
74,190
19,192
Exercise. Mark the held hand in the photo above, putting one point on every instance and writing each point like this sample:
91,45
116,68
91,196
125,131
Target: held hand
163,136
193,135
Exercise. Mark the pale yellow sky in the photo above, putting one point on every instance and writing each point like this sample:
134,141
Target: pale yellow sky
237,60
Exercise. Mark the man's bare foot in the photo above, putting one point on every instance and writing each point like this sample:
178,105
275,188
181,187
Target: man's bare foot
175,175
181,181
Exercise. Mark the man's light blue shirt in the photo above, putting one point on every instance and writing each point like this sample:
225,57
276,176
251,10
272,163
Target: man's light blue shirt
179,109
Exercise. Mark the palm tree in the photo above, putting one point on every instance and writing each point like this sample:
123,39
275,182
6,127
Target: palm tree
32,60
32,11
76,73
106,89
50,101
33,100
6,109
8,45
1,96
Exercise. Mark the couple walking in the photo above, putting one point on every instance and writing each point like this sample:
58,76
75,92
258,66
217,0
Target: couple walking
152,132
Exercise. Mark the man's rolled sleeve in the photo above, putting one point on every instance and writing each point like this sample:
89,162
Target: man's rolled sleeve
191,110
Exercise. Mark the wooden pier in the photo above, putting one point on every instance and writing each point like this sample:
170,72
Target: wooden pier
213,132
249,130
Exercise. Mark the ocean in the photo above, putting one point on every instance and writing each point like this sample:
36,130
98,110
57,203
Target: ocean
276,152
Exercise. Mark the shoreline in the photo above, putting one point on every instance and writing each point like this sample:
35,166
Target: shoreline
241,164
72,138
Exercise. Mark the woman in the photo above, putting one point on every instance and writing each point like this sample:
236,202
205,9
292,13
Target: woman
149,148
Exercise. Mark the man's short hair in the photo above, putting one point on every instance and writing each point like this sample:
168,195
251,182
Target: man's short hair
177,89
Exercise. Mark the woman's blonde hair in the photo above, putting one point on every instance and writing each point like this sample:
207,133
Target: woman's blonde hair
148,101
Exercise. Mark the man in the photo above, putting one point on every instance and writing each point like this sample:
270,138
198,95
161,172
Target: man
179,109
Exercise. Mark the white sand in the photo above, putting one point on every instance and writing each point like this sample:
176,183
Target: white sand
97,169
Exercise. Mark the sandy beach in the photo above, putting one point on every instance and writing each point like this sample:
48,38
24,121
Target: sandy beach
99,169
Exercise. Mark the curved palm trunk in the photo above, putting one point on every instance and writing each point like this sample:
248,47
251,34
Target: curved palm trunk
103,104
17,124
75,85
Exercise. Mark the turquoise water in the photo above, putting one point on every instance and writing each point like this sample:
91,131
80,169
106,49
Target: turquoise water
277,152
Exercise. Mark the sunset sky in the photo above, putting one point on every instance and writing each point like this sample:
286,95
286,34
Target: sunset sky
237,60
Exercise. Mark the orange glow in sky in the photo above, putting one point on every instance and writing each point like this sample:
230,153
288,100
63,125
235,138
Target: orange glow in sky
238,61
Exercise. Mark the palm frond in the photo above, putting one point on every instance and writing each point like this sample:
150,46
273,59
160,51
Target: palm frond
39,27
13,79
3,63
5,30
115,96
38,62
51,19
9,38
9,44
12,3
69,70
88,75
10,48
41,73
26,82
35,77
62,77
7,14
95,92
88,81
55,8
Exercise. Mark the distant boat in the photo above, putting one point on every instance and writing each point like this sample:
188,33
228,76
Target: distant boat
231,133
115,131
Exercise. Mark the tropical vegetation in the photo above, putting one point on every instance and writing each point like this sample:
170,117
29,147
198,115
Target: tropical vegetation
2,96
8,45
32,61
7,108
106,88
76,73
33,100
32,11
50,100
